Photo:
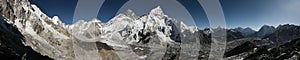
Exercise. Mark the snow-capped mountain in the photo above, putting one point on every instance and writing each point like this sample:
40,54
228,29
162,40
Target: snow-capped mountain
50,37
126,36
56,20
39,31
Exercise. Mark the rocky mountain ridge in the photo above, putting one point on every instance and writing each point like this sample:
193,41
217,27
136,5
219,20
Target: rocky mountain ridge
151,36
50,37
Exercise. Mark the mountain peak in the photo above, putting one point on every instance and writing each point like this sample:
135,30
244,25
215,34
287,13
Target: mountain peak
129,11
95,20
245,31
265,30
248,28
286,25
264,27
267,26
156,11
56,20
131,14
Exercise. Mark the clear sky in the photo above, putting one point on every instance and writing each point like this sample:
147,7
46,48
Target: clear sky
238,13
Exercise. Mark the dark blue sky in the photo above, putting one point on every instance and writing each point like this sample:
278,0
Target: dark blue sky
62,8
238,13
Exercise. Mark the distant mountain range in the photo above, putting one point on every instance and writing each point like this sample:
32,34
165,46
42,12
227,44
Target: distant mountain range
283,33
130,37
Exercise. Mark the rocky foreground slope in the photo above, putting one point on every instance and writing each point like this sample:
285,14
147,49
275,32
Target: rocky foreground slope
145,37
27,33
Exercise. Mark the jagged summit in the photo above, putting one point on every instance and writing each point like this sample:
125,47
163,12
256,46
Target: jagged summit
127,28
95,20
245,31
156,11
131,14
56,20
285,33
248,28
286,26
152,36
36,9
267,26
265,30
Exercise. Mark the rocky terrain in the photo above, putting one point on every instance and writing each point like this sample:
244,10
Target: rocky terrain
27,33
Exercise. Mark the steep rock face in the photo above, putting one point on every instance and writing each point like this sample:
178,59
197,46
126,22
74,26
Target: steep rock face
284,33
147,36
11,47
245,31
265,31
39,31
233,35
127,36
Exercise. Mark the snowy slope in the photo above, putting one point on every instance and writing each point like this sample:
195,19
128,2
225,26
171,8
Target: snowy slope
126,36
50,37
41,34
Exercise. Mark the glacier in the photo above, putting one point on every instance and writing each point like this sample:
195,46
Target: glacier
153,36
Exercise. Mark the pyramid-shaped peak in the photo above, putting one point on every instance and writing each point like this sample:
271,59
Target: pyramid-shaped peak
129,11
266,26
131,14
95,20
156,10
55,18
248,28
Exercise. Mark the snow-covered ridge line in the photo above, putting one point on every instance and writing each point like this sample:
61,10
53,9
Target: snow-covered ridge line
41,33
50,37
124,32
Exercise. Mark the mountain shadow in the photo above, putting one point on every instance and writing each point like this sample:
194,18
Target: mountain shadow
11,46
